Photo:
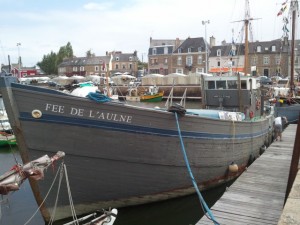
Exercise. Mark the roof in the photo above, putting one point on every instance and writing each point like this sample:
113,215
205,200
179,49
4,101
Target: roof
193,43
226,49
83,61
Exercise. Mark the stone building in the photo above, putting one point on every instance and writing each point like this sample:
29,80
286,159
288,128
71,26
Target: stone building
160,55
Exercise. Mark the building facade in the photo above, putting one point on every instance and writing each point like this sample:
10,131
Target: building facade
160,55
189,57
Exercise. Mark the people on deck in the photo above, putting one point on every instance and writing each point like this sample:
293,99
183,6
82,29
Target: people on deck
278,128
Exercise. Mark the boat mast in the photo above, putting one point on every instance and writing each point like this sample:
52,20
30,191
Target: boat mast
294,9
246,21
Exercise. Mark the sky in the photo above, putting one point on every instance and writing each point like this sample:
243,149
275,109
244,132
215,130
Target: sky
42,26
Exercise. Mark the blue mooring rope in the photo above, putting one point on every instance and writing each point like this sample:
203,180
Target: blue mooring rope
202,201
98,97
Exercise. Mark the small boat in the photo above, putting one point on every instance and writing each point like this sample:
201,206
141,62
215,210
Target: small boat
152,95
7,139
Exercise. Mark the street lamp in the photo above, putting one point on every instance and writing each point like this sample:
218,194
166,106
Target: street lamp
19,61
204,22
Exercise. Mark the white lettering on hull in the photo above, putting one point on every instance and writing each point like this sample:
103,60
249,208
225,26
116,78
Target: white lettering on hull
88,113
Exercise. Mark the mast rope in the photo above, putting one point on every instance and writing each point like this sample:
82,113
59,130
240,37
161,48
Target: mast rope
203,204
28,221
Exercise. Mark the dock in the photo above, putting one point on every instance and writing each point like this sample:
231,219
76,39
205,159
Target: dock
257,197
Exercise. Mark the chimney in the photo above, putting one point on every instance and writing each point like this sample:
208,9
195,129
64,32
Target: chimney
177,43
212,41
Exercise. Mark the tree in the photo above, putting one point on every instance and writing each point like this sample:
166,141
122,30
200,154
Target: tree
89,53
50,62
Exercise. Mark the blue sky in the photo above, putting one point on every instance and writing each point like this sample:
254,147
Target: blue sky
42,26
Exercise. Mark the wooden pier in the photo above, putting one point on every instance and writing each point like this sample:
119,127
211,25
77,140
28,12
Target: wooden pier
257,196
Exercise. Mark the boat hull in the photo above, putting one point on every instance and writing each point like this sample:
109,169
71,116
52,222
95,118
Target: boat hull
291,112
119,155
152,98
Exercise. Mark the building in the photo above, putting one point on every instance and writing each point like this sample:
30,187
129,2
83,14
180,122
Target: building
190,56
113,62
269,58
124,63
18,70
226,58
84,66
160,55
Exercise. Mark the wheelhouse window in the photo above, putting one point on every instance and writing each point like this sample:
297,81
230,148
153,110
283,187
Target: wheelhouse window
166,50
221,84
211,84
232,84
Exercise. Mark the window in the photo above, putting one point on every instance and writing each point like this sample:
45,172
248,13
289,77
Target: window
96,68
179,71
211,84
117,58
219,52
219,63
74,68
189,50
273,48
117,66
258,48
179,60
266,60
166,60
243,84
130,66
277,60
82,68
123,66
254,61
189,60
200,61
154,51
232,84
179,50
199,70
130,58
166,50
200,49
221,84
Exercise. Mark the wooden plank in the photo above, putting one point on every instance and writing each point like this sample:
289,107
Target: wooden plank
257,196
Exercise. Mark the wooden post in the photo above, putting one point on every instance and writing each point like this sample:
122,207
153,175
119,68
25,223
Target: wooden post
294,162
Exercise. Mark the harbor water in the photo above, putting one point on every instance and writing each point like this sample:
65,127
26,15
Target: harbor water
20,207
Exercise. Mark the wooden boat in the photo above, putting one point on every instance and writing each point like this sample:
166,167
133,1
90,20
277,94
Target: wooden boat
121,155
151,95
7,139
288,106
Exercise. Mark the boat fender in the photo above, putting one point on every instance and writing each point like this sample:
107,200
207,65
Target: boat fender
178,109
251,114
233,167
36,113
262,149
257,104
251,159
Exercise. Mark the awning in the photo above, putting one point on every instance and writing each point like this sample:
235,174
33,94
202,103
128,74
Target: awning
226,69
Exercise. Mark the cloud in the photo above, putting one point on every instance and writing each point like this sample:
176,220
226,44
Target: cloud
97,6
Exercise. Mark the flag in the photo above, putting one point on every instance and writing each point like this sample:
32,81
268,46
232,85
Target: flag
282,10
284,2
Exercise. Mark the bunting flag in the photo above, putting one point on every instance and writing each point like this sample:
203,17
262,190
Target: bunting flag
285,29
103,66
282,10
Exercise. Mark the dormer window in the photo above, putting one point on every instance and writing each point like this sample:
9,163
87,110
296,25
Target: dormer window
273,48
200,49
130,58
117,58
219,52
179,50
189,50
258,48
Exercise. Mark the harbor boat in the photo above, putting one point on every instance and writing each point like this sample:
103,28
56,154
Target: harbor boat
151,95
121,155
288,106
7,139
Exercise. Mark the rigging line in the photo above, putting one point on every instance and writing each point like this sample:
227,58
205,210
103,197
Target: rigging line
45,196
202,201
70,197
57,195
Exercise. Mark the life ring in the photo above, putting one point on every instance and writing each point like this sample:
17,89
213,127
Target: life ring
257,104
36,113
251,114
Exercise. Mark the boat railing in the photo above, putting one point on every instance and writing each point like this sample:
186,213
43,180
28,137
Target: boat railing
169,101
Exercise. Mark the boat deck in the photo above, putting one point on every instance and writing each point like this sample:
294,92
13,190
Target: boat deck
258,195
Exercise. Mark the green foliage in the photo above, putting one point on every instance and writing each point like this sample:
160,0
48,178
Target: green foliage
50,62
142,65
